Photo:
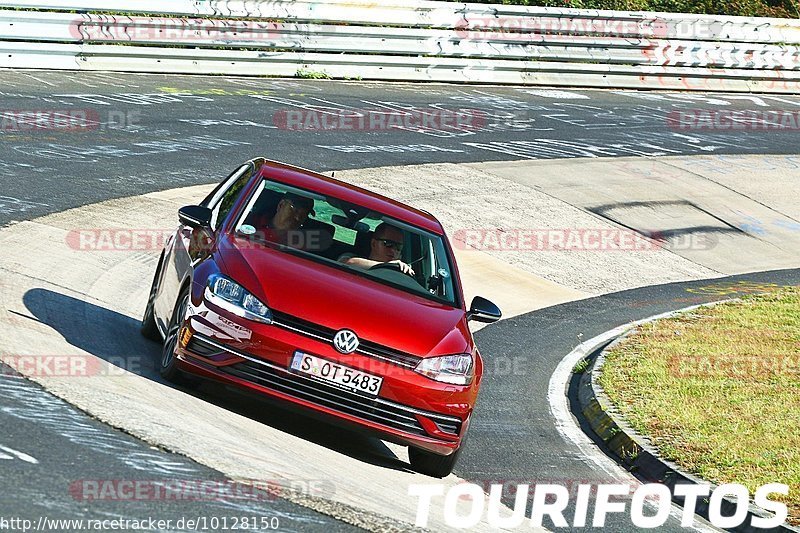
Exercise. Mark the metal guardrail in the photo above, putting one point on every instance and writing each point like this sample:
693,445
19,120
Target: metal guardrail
415,41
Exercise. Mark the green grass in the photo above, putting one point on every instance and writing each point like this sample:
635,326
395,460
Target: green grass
308,74
717,390
581,366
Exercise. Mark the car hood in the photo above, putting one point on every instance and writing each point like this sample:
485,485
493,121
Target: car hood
337,299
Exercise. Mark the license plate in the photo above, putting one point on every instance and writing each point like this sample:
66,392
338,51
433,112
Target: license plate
331,372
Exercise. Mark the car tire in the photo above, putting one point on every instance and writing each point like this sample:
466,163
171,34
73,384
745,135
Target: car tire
432,464
168,367
149,328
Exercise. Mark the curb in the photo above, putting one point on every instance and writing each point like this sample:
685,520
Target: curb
633,450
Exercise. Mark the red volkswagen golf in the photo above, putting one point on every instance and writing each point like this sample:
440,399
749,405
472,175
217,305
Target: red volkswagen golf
314,292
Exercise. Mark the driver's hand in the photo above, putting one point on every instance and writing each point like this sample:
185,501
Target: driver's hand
405,268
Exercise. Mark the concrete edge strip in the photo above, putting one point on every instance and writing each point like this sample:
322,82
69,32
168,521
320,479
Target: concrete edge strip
348,514
354,515
361,518
631,449
569,429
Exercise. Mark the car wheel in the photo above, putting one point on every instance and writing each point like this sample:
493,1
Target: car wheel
169,368
432,464
149,329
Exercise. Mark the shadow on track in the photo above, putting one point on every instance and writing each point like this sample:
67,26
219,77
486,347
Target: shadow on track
115,338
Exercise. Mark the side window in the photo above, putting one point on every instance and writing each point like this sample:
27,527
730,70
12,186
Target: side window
228,198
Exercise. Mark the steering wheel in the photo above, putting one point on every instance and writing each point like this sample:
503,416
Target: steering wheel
391,272
387,266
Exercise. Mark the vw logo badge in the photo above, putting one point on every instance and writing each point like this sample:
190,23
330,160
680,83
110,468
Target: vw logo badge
345,341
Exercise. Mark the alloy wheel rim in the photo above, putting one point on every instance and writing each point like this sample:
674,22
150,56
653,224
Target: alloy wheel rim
169,348
168,354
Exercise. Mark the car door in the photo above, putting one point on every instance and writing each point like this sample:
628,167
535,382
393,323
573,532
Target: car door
176,263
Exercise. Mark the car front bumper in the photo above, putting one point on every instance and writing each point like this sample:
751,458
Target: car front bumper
411,409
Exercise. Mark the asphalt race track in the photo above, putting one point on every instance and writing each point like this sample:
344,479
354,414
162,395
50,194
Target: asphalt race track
154,132
150,132
69,452
514,408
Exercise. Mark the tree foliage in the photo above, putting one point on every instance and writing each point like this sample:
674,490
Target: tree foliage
748,8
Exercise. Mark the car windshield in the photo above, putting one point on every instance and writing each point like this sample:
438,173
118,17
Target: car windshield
342,235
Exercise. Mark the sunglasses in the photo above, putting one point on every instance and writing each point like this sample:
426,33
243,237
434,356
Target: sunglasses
394,245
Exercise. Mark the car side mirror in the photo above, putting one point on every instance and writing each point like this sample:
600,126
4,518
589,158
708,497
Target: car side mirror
195,216
482,310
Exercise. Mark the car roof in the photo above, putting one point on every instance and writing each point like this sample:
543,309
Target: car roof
314,181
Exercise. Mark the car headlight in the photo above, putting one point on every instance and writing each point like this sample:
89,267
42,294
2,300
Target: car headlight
455,369
229,295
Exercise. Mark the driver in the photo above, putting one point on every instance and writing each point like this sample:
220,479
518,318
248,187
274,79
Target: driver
385,247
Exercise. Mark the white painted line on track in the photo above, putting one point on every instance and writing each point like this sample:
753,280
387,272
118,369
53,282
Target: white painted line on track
12,454
569,429
43,82
559,407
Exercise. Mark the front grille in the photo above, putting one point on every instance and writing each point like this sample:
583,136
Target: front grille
325,334
331,397
378,410
448,426
200,347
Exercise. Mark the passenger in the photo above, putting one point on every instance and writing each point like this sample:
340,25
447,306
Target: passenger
385,247
283,225
292,212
